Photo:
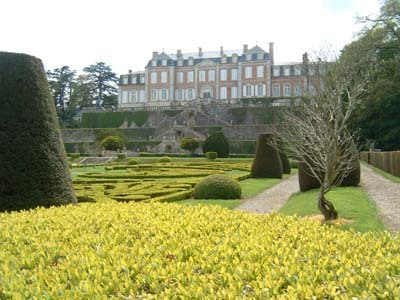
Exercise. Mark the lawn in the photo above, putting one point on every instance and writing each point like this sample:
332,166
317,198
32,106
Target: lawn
351,203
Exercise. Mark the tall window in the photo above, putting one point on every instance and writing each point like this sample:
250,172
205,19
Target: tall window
260,56
248,91
190,94
223,93
260,71
249,70
153,95
260,90
179,94
202,76
286,71
287,92
164,62
277,71
180,77
164,94
234,74
234,92
141,96
234,58
134,96
297,70
125,79
297,90
141,79
190,76
164,77
248,56
224,75
153,77
125,96
211,75
276,90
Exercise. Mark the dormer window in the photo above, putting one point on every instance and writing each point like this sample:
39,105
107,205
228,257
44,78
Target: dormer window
125,79
223,59
180,62
154,63
248,56
191,61
234,58
164,62
260,56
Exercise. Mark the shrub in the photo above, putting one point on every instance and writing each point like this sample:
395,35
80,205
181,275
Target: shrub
217,187
266,163
307,181
189,144
121,156
294,163
165,159
285,162
134,162
112,142
75,155
217,142
33,163
211,155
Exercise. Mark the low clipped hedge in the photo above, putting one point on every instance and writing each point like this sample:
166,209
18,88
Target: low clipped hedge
165,159
217,186
132,162
211,155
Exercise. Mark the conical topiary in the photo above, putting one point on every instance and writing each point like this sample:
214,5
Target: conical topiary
266,163
33,163
285,162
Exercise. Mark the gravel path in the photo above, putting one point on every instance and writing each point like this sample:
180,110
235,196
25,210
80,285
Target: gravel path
271,199
386,195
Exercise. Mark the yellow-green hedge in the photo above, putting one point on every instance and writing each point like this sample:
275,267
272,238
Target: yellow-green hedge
169,251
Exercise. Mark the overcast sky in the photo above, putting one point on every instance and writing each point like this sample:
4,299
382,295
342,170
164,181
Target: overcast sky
123,33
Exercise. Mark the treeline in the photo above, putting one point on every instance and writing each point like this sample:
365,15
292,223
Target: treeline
96,86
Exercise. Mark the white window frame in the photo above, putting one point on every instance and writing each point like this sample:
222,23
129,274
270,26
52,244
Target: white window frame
287,90
124,97
277,71
297,70
202,76
223,92
134,97
276,90
249,56
224,75
190,94
248,72
179,76
141,96
190,76
286,71
154,63
164,62
297,90
260,90
125,79
153,76
164,94
211,75
153,95
234,92
249,89
164,77
260,56
260,71
234,59
234,74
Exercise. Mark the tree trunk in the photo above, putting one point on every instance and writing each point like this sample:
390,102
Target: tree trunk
326,207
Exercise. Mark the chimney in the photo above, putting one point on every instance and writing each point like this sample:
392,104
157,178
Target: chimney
179,53
305,58
222,50
245,48
200,52
271,52
130,71
155,54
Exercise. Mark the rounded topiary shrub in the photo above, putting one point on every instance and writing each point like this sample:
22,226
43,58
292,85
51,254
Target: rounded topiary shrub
266,163
134,162
121,156
217,142
112,142
165,159
33,163
211,155
217,187
285,162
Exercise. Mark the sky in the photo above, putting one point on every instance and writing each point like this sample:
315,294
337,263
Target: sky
124,33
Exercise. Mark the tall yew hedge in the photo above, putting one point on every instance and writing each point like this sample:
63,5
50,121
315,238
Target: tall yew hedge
267,162
33,163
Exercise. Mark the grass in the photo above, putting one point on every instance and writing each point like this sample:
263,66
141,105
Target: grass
383,173
351,203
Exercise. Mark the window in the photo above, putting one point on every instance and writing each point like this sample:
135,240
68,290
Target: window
277,71
234,58
133,96
190,76
164,77
248,90
234,92
190,61
125,96
180,62
153,77
224,75
248,56
179,94
249,70
202,76
286,71
141,78
260,90
311,89
211,75
287,92
260,56
141,96
154,63
297,70
311,70
223,93
260,71
190,94
297,90
164,94
180,77
153,95
164,62
234,74
223,59
276,90
124,79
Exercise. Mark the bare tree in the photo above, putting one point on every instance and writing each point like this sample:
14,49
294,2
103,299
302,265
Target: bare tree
316,131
